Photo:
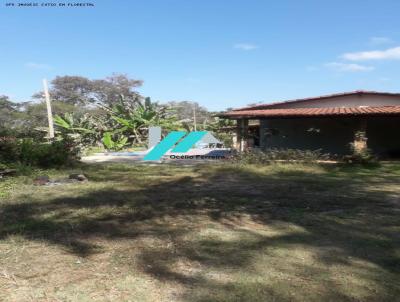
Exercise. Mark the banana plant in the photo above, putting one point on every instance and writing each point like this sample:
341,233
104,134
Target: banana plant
71,125
114,145
136,116
82,130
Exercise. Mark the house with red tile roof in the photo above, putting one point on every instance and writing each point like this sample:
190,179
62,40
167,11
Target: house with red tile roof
332,123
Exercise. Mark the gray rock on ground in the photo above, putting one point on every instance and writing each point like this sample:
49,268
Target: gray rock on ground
41,180
77,176
44,180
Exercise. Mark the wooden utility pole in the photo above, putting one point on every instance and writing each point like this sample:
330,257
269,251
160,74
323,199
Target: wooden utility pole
49,112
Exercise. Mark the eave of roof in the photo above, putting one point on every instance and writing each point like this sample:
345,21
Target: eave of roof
328,96
315,112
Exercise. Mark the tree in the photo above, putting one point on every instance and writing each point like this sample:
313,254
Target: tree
73,90
8,113
6,104
109,91
185,113
81,91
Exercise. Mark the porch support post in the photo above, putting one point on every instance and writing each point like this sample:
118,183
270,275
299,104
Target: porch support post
263,138
360,137
242,129
238,136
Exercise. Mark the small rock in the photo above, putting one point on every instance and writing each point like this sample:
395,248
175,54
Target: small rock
80,177
41,180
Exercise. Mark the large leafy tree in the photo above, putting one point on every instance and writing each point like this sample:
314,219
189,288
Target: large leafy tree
108,91
81,91
72,90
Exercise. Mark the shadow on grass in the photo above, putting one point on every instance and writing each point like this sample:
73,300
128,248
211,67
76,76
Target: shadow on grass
342,218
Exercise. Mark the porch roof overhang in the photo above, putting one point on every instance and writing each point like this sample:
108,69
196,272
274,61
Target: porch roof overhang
313,112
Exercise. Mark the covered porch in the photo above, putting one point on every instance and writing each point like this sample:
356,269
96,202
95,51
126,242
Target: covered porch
334,134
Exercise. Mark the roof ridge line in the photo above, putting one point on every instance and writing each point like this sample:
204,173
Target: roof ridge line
333,95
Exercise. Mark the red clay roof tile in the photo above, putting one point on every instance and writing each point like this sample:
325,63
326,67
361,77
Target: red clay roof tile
357,92
310,112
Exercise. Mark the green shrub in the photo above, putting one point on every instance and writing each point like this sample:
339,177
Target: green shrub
9,149
360,157
35,153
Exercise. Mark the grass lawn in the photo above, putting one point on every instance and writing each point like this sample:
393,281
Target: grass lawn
203,233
